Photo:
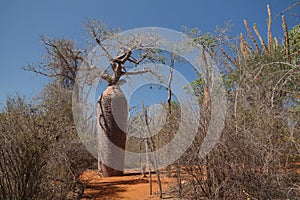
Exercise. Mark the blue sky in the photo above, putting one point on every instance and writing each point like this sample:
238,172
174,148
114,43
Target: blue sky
22,23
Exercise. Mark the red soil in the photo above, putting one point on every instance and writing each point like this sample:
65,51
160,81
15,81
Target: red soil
130,186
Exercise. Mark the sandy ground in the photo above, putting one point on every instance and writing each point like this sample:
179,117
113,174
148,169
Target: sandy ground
130,186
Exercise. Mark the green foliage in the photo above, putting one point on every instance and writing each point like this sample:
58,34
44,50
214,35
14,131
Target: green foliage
294,37
206,40
198,88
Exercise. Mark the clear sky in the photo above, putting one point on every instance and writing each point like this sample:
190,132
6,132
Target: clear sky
22,23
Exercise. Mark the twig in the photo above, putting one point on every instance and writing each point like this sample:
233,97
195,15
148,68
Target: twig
274,88
138,72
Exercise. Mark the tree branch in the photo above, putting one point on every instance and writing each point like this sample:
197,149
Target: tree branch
138,72
100,44
139,60
289,8
33,69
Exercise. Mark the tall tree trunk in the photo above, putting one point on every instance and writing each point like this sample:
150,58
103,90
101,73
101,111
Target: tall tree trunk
170,107
112,112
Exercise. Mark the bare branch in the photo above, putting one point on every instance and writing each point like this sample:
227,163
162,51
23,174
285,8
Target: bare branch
284,76
289,8
138,72
139,60
228,57
101,45
50,75
98,36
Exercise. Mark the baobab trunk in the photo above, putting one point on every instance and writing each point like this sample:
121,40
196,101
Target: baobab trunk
112,112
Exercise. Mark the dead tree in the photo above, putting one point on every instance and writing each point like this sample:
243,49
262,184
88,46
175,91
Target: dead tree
150,145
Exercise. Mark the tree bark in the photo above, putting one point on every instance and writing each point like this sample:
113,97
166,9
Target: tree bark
112,113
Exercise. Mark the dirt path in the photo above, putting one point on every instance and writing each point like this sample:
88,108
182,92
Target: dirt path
130,186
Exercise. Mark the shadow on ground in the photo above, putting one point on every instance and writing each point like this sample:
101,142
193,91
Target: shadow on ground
109,188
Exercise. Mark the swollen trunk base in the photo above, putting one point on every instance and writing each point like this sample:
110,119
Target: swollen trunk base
112,114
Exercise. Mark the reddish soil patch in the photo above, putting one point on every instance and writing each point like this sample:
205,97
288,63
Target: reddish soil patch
130,186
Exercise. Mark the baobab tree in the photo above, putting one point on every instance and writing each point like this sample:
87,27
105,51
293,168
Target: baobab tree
112,109
115,58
